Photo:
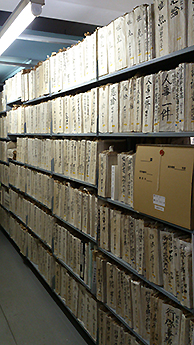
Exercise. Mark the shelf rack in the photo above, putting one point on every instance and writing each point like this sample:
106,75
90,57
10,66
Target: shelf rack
148,67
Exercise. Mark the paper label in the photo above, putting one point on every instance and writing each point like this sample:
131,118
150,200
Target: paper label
159,208
159,200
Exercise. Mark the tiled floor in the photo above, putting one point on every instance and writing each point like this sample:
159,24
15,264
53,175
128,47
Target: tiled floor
28,314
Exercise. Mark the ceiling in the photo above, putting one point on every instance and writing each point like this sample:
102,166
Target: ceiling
62,23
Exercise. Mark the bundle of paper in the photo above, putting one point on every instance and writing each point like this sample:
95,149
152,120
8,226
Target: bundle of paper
152,254
120,43
101,278
136,309
146,294
130,44
140,33
190,23
140,246
113,106
106,160
90,54
110,31
25,85
111,285
148,103
102,51
162,33
115,232
104,239
103,108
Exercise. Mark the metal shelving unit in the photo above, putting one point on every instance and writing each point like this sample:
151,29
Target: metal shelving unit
144,68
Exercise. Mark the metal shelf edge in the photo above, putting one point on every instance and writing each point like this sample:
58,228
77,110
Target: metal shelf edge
76,229
126,325
127,207
154,286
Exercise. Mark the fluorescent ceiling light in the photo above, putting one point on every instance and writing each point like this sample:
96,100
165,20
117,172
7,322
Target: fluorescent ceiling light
22,16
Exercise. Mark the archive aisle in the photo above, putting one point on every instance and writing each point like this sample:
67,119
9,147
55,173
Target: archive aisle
67,170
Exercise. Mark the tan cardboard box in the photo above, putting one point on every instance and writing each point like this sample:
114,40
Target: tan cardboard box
163,183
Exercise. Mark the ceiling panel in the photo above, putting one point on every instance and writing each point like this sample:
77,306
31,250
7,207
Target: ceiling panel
97,12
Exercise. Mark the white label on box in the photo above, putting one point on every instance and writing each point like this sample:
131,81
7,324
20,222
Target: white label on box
159,208
159,200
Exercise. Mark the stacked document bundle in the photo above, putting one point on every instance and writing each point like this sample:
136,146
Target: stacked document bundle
116,171
76,253
5,219
3,151
174,26
38,117
39,186
41,257
78,207
160,102
19,234
72,158
67,68
13,87
126,41
15,120
68,114
152,316
3,127
3,100
76,297
18,205
5,197
4,174
111,331
148,247
76,159
41,223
